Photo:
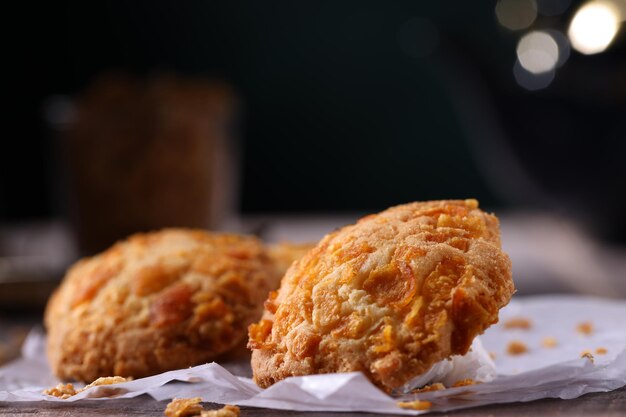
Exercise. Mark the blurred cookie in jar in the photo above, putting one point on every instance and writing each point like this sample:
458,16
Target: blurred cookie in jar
155,302
146,153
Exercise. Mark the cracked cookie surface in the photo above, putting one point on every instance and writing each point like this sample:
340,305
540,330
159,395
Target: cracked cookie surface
155,302
388,296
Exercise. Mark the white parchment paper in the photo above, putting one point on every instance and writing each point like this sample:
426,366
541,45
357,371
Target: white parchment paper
541,372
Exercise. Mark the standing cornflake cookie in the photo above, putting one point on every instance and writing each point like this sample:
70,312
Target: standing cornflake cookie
155,302
389,296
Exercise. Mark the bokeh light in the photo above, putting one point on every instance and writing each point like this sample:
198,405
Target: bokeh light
538,52
563,43
594,27
516,14
531,81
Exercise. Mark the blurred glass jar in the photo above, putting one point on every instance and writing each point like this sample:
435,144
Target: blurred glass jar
143,154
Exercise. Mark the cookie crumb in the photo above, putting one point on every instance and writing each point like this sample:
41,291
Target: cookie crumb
518,323
601,351
226,411
516,347
63,391
415,405
191,407
492,355
588,355
184,407
437,386
107,380
549,342
464,383
585,328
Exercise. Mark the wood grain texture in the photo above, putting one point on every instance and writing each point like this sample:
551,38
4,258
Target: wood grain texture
608,404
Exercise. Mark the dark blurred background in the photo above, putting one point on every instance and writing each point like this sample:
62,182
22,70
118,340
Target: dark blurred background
345,107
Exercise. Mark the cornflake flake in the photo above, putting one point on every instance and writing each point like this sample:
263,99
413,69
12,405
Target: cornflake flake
549,342
226,411
585,328
518,323
183,407
515,347
437,386
464,383
62,391
65,391
415,405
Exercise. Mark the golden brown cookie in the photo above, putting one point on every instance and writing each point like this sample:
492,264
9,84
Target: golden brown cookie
389,296
155,302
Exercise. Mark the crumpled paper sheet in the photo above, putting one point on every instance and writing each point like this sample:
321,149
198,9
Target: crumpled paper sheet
542,372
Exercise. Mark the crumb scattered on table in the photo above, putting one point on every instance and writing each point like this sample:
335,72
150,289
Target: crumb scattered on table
518,323
191,407
107,380
585,327
587,354
62,391
226,411
516,347
464,383
437,386
549,342
184,407
601,351
65,391
415,405
492,355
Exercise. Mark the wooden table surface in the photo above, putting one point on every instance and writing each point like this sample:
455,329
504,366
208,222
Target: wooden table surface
608,404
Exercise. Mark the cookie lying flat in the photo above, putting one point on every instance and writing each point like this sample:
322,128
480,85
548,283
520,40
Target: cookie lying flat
389,296
155,302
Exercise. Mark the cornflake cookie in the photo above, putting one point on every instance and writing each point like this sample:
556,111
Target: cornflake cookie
155,302
389,296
